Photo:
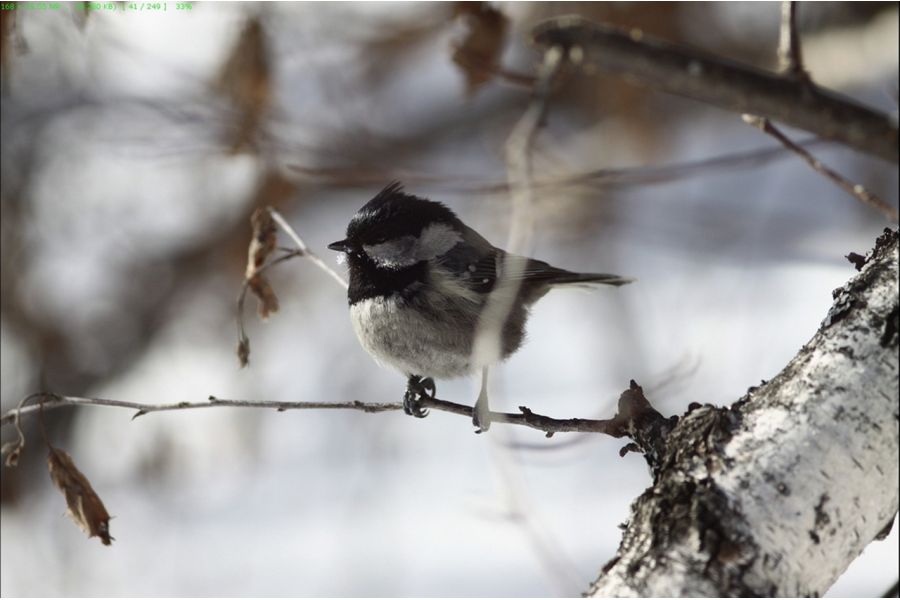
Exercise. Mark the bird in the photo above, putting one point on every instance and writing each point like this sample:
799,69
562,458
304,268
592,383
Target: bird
420,284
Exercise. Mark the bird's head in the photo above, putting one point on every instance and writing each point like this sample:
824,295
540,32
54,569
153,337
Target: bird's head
395,230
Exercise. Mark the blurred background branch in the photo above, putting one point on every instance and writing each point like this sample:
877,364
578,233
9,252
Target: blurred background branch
699,75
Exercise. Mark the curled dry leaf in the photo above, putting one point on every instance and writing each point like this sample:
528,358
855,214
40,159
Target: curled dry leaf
265,235
478,53
12,450
268,301
85,506
243,351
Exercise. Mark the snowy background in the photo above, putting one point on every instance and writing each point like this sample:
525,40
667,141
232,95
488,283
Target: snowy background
128,181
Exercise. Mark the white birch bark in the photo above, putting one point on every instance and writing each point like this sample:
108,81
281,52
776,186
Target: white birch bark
777,494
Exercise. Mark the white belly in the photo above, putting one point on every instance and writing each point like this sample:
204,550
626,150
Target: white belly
398,336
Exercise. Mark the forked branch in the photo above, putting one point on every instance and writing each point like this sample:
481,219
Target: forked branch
690,72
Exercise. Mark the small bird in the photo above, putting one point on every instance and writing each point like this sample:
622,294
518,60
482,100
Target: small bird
420,280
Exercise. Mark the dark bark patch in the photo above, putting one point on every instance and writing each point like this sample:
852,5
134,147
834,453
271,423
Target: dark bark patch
886,531
889,335
822,518
845,300
858,260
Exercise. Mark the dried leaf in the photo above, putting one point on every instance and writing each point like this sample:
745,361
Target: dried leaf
268,301
85,506
265,238
12,450
245,79
243,351
478,54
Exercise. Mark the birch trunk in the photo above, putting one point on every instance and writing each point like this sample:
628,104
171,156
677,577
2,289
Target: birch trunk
777,494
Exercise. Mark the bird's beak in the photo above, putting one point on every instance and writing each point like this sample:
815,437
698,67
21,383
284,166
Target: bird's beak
340,246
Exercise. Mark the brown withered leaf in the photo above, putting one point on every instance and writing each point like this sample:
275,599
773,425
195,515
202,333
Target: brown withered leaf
265,238
243,351
12,450
478,53
268,301
246,81
85,506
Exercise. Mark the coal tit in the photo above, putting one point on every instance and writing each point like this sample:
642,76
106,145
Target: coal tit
420,280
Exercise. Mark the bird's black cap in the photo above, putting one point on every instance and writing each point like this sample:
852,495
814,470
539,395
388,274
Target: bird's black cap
393,213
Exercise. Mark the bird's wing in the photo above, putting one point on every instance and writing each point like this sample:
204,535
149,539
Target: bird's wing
472,262
479,266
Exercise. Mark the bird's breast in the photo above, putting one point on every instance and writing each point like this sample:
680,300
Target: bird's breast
413,339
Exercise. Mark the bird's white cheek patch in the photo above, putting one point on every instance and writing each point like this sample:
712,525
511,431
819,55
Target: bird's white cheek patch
437,239
394,254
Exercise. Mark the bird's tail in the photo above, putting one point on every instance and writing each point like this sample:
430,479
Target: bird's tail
569,278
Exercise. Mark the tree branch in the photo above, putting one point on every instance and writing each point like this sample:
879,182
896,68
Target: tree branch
304,249
775,495
727,84
854,189
635,417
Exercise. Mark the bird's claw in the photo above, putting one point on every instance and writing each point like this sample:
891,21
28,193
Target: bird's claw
417,389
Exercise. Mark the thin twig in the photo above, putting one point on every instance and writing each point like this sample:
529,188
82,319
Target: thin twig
790,57
354,177
524,418
742,88
855,190
301,245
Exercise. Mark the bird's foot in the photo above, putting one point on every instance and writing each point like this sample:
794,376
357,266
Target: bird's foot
417,389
